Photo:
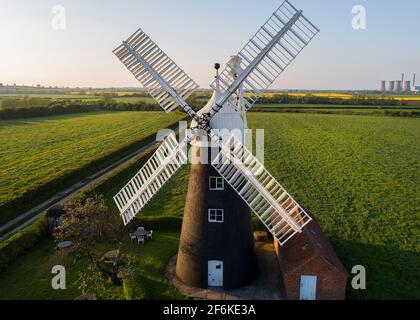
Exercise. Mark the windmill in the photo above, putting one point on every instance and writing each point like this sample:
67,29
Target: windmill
216,247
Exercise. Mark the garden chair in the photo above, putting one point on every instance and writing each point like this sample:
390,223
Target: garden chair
133,237
141,240
150,234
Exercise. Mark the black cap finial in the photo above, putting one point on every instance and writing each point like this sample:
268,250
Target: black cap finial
217,66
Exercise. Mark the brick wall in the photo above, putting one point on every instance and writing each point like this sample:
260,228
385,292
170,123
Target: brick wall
331,283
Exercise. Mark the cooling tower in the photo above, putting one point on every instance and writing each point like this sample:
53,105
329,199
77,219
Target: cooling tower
382,86
407,87
398,86
391,86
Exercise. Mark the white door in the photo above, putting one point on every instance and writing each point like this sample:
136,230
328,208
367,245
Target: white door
308,287
215,273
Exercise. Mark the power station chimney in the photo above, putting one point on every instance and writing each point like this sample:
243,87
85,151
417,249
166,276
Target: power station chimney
414,80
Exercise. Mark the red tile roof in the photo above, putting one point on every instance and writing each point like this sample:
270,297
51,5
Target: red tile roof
304,247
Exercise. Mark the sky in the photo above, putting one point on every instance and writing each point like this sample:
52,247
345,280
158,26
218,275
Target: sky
198,33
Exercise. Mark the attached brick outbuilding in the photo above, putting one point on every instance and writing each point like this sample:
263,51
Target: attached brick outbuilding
310,267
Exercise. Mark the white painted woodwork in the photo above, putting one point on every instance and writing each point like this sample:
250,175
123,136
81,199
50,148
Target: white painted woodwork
273,205
236,90
308,285
167,83
215,273
166,161
216,215
268,54
216,184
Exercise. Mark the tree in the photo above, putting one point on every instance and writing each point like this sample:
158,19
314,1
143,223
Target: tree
87,224
108,99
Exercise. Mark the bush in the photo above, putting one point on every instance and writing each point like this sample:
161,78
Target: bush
22,241
87,224
61,107
257,225
313,99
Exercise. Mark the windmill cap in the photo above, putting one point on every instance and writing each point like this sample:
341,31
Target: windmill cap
217,66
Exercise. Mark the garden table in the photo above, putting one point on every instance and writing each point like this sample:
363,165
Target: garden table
141,234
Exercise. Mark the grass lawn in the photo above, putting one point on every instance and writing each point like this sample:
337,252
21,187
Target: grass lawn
36,151
30,276
359,176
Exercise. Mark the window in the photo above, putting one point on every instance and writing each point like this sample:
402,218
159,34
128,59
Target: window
217,183
216,215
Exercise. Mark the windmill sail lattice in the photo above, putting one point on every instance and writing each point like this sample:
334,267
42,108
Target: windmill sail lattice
166,161
260,63
167,83
270,52
273,205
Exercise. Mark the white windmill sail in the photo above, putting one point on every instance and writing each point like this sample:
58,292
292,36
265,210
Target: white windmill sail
167,83
166,161
261,61
273,205
268,54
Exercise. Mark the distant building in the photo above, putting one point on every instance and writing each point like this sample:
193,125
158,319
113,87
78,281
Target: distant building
398,86
391,86
382,86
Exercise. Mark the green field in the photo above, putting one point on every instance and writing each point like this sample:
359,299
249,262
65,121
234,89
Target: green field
359,176
36,151
135,100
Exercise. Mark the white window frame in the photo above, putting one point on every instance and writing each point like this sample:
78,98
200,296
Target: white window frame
214,214
220,183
